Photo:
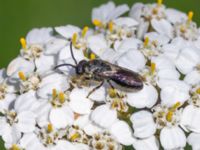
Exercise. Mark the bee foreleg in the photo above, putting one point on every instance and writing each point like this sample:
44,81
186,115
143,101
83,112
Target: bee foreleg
94,89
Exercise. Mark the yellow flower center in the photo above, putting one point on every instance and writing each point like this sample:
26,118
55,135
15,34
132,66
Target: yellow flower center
23,42
74,136
153,67
146,41
97,23
170,114
74,39
50,128
159,2
84,31
22,76
54,93
14,147
112,92
110,26
61,97
190,16
198,91
92,56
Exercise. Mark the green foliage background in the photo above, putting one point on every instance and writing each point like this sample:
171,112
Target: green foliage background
17,17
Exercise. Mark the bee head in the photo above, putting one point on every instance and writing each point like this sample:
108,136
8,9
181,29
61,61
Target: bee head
80,69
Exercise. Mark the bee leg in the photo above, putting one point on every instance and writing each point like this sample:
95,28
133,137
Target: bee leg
110,84
94,89
112,87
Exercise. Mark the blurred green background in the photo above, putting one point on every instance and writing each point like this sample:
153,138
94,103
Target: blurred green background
17,17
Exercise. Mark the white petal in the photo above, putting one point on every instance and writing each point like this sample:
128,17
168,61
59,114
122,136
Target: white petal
11,135
136,11
133,60
78,101
7,102
150,143
162,26
101,13
174,91
67,31
110,55
98,95
64,145
118,11
20,64
45,64
122,133
30,141
97,43
125,21
104,116
26,122
194,141
50,82
2,75
126,44
61,117
172,50
82,121
39,36
80,146
190,118
172,138
92,129
154,36
168,74
187,60
143,124
162,62
25,101
55,45
175,16
192,78
147,97
42,111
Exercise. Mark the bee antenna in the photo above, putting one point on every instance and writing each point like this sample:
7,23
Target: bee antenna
71,50
64,65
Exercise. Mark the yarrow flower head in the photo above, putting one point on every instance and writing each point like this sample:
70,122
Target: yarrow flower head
126,81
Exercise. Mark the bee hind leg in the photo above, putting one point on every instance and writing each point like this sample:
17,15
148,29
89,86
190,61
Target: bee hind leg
94,89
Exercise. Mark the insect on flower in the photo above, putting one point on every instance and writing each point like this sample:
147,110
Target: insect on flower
101,71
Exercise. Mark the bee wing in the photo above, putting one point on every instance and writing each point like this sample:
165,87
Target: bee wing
124,77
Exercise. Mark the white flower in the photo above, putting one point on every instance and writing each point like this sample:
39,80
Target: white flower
67,31
150,143
175,16
50,82
193,140
19,64
188,59
15,123
79,102
143,124
104,116
147,97
190,118
122,133
172,138
174,91
108,12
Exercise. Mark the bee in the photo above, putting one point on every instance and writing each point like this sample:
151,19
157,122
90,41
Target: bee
101,71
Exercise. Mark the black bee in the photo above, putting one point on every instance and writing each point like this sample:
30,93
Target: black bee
100,70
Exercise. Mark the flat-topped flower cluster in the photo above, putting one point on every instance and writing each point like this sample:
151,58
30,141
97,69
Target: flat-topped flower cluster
47,109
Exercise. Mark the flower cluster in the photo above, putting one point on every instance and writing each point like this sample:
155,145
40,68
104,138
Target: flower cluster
45,108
